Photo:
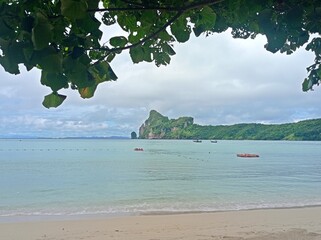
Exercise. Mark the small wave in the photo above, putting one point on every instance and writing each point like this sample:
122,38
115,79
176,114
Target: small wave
142,209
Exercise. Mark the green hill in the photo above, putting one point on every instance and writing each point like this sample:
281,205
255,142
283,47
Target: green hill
158,126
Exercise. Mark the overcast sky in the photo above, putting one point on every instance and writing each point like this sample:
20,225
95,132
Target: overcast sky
217,80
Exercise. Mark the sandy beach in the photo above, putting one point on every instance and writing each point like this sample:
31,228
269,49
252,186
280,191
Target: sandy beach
283,224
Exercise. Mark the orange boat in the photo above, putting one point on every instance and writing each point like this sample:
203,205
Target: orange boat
248,155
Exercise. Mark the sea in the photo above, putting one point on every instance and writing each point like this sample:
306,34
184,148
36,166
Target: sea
76,178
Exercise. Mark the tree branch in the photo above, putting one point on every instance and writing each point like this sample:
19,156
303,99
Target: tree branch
147,37
201,4
141,7
133,3
180,11
123,9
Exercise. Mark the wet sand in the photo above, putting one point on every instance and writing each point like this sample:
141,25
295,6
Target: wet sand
270,224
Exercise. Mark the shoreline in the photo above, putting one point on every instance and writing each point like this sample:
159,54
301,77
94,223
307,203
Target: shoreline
90,216
302,223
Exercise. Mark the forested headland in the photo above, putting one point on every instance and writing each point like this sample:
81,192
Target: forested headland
158,126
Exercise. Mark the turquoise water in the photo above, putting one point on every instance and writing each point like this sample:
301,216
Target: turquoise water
74,177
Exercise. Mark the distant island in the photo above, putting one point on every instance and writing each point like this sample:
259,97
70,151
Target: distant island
111,137
158,126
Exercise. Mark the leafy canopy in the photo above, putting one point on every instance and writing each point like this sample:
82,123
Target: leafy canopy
63,38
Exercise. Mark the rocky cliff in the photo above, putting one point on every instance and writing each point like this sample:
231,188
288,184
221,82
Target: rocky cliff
158,126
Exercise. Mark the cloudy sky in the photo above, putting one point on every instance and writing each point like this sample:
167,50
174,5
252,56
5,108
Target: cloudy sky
216,80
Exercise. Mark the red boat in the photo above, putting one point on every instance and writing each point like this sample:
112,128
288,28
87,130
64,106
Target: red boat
247,155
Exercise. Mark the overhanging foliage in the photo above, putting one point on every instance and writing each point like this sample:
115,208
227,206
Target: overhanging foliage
63,38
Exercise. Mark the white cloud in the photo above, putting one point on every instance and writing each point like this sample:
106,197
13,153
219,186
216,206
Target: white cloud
216,80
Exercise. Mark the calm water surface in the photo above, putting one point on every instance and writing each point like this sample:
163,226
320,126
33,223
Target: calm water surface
62,177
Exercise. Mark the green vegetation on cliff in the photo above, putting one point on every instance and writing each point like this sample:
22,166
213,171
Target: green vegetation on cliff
158,126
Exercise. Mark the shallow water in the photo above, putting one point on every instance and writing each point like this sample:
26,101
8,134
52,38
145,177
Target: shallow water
75,177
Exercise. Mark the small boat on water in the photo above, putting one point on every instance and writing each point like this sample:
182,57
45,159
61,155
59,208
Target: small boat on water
213,141
197,141
247,155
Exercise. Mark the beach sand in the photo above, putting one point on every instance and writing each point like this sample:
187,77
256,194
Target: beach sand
270,224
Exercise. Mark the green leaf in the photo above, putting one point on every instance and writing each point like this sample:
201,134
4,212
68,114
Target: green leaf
318,71
306,85
77,52
275,41
10,67
42,32
74,9
53,100
165,36
111,57
95,54
303,38
84,59
148,18
5,30
162,58
108,19
92,4
168,49
59,28
140,53
112,74
104,67
4,44
28,52
16,52
52,63
135,37
27,23
205,21
79,77
87,92
118,41
90,25
102,72
127,21
137,54
55,81
77,72
254,26
264,20
181,30
148,54
294,16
